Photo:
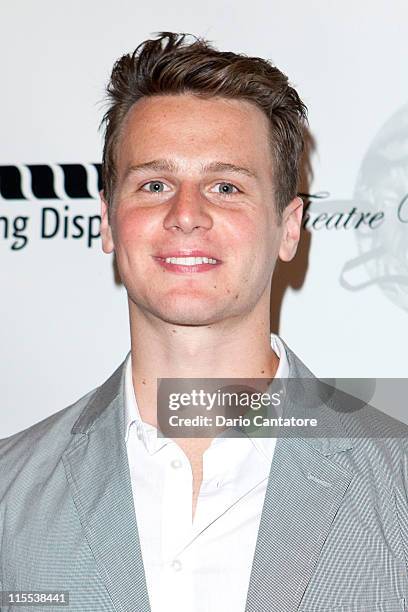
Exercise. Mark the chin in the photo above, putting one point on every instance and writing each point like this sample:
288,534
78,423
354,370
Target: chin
181,309
187,318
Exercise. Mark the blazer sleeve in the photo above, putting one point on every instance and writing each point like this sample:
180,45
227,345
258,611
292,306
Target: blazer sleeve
401,501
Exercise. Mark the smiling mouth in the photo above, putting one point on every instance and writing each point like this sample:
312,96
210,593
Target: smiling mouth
188,264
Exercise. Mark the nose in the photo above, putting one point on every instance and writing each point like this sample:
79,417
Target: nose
189,210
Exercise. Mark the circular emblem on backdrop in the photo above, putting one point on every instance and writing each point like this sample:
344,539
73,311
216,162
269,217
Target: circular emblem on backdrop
382,185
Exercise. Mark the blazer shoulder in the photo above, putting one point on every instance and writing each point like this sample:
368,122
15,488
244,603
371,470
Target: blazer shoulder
380,440
39,447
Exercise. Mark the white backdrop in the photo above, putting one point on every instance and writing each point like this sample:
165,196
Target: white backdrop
64,325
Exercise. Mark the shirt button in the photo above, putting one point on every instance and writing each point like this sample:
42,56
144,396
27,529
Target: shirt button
176,565
176,463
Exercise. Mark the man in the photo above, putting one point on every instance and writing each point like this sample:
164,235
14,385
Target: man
200,170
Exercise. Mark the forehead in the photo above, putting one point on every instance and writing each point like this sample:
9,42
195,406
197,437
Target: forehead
190,125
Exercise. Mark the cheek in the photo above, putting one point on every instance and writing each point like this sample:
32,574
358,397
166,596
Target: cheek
132,227
262,253
251,236
240,231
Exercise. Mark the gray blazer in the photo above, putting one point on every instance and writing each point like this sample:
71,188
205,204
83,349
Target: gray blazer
333,535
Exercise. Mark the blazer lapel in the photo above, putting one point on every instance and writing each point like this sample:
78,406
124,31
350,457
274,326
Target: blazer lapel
97,471
305,490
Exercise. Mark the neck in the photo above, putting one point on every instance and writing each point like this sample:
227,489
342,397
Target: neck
228,349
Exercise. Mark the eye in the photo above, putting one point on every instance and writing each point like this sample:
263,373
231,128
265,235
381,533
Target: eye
154,187
226,189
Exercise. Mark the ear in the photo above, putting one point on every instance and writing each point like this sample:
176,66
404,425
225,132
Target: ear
292,223
106,230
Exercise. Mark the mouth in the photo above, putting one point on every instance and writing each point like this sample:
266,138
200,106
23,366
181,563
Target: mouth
191,261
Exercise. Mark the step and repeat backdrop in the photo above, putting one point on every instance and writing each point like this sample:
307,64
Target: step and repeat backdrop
341,305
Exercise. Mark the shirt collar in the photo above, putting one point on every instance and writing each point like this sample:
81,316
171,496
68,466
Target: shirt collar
148,434
145,432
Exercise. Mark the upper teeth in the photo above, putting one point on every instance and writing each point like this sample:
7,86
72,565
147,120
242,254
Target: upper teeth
190,261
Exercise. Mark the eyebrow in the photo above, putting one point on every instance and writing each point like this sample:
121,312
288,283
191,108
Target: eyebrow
168,165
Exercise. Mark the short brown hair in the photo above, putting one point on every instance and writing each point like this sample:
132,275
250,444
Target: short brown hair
176,63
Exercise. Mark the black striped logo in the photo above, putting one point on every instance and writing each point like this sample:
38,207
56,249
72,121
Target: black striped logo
79,181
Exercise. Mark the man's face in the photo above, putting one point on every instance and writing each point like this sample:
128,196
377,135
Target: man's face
195,178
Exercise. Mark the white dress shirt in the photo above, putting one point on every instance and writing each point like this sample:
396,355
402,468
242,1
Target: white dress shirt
202,565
